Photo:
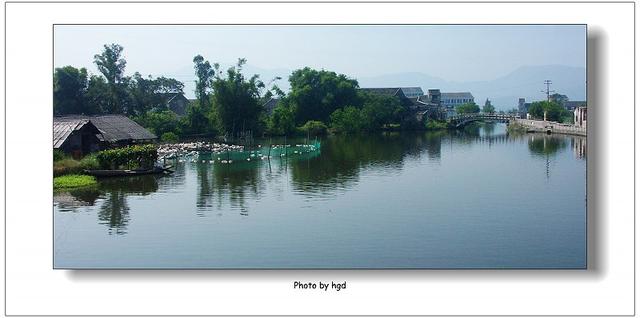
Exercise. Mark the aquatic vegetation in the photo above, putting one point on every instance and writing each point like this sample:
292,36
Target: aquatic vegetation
73,181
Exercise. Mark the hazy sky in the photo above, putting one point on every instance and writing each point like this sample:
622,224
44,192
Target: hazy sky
454,53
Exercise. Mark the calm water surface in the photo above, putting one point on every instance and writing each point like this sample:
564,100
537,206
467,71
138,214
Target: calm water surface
476,198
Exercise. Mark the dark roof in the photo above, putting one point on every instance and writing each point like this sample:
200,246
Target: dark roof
170,96
270,105
64,127
412,91
114,128
574,103
393,91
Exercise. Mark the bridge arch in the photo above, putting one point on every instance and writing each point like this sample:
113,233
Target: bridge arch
462,120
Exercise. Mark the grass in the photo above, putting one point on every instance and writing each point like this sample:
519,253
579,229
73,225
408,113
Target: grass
436,125
68,165
73,181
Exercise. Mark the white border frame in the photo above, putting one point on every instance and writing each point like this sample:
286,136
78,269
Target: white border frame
33,288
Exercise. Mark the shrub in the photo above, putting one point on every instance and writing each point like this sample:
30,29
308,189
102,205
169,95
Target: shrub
313,127
73,181
435,125
66,166
169,137
58,155
90,162
131,157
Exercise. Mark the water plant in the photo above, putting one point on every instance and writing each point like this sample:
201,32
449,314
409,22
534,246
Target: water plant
73,181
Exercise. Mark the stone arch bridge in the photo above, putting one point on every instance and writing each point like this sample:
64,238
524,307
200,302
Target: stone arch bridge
464,119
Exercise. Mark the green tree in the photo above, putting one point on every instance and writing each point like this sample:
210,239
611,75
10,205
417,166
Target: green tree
69,87
554,111
315,95
197,120
236,100
282,121
98,95
558,98
488,108
468,108
111,64
348,119
204,73
379,110
150,94
160,122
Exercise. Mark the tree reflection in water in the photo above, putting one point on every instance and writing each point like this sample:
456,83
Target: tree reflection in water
546,146
336,168
235,182
112,195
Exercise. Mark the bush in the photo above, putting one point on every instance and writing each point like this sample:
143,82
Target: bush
73,181
314,128
58,155
131,157
90,162
66,166
468,108
169,137
435,125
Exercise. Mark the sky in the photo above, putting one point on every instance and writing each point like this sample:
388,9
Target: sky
451,52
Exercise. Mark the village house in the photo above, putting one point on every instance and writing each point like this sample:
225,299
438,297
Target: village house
270,105
177,103
79,134
571,105
75,136
451,100
415,100
580,116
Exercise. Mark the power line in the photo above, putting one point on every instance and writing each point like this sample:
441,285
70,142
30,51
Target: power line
548,83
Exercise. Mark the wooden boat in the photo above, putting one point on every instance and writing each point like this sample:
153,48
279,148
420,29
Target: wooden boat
125,173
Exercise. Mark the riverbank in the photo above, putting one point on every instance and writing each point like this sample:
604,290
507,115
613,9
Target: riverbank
549,127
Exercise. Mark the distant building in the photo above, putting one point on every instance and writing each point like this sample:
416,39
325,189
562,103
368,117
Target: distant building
402,92
412,92
270,105
451,100
523,108
580,116
177,103
571,105
414,99
83,134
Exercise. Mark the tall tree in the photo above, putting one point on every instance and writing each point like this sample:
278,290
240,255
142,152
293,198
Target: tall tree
236,100
111,64
69,87
204,73
488,108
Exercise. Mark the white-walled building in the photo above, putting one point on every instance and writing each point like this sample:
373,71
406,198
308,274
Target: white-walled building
580,116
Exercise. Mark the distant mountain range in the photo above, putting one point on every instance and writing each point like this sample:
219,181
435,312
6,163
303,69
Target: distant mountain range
503,92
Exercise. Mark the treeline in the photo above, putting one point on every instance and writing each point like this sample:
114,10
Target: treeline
227,102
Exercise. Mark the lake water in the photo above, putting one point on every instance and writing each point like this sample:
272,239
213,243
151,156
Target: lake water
477,198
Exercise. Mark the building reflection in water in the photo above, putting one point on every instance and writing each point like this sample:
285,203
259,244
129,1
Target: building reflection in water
579,146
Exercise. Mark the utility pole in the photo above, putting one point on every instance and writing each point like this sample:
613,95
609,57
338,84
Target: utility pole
548,83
